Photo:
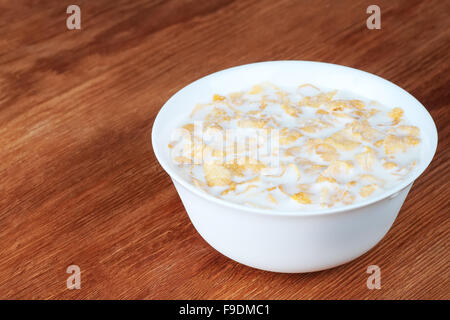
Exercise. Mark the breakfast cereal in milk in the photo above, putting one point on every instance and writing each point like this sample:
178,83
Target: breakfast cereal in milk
289,149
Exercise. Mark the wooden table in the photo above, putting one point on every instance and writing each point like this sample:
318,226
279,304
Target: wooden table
80,184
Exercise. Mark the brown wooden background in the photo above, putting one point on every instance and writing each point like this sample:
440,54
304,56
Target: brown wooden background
79,183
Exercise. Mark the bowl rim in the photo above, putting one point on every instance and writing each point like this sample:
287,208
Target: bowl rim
296,213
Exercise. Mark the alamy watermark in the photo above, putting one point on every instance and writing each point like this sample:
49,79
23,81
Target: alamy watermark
74,280
374,280
374,20
256,143
73,22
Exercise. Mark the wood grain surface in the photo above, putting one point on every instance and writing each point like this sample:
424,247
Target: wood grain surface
80,183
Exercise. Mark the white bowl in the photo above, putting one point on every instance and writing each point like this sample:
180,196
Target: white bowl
299,241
